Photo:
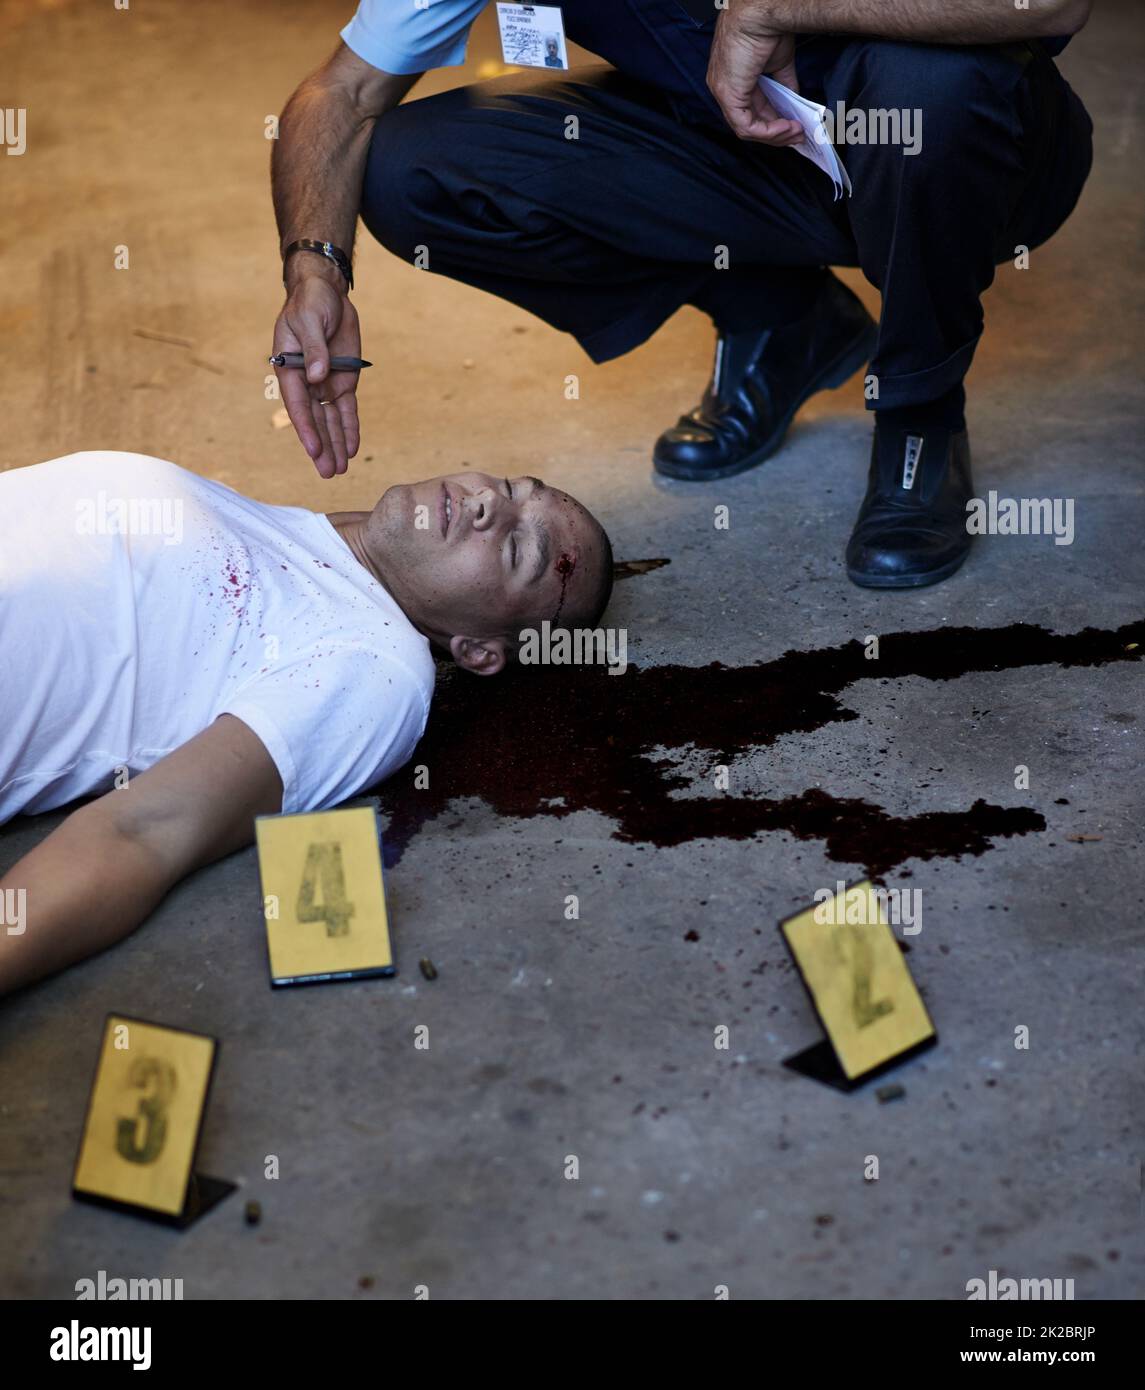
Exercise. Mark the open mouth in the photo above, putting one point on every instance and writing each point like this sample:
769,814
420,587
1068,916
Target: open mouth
446,510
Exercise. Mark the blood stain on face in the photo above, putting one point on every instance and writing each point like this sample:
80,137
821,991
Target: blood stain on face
564,567
616,746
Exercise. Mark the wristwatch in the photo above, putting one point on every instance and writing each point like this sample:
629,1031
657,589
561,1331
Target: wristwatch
321,248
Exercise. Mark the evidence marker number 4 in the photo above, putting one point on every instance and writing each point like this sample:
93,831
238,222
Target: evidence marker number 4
324,899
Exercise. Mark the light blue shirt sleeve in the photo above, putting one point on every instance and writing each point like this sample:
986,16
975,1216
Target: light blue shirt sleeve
408,36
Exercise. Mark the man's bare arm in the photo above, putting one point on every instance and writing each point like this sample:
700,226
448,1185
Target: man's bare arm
755,37
98,875
924,21
316,182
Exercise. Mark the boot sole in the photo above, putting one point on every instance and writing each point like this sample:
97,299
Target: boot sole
856,355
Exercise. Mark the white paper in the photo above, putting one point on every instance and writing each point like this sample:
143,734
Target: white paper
816,143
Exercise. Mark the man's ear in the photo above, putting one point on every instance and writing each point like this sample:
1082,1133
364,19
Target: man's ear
484,656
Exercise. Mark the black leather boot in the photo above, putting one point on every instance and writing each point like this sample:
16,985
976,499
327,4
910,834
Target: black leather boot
911,528
759,381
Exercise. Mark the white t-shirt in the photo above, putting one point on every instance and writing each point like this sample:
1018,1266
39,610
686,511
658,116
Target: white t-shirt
138,602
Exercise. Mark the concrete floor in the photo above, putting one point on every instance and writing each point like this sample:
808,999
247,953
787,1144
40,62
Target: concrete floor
550,1038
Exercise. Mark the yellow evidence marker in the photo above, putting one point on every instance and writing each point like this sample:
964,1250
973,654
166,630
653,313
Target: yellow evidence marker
859,984
143,1121
323,897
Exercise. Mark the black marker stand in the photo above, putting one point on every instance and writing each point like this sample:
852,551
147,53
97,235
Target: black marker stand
820,1063
203,1193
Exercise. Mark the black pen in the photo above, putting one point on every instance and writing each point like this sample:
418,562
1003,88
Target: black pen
337,364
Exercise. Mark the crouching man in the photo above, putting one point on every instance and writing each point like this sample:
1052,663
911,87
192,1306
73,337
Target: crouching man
194,659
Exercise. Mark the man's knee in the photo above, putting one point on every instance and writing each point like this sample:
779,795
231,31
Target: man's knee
398,189
940,93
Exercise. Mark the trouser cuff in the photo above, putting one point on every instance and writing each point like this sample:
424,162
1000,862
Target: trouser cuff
919,388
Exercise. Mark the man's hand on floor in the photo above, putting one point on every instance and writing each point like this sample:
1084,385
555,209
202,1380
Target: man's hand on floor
742,52
319,321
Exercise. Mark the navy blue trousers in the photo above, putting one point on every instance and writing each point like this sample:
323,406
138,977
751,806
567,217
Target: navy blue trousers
605,235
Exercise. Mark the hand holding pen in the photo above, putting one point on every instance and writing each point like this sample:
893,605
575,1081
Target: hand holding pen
317,359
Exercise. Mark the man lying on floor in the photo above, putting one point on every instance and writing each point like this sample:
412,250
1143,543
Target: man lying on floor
196,659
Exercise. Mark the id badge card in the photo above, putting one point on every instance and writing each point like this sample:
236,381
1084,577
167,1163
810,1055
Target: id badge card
532,36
